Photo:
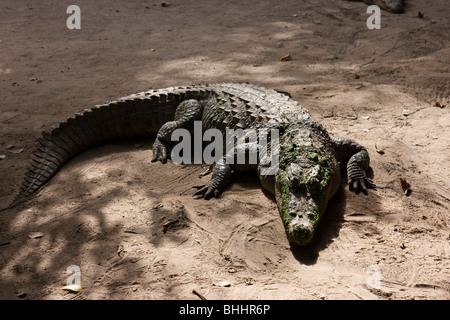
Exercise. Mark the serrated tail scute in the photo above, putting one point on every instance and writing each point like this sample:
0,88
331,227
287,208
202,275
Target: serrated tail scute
137,115
124,118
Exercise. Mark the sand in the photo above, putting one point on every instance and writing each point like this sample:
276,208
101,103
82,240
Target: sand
121,219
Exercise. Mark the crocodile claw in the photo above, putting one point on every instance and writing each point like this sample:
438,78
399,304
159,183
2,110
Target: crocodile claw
159,151
361,184
206,191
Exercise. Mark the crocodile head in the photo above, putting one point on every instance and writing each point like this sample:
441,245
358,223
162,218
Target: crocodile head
303,186
395,6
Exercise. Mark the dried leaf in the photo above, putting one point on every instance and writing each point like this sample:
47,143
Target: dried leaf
405,186
357,76
17,150
222,284
74,288
378,150
35,235
120,249
286,58
159,205
329,115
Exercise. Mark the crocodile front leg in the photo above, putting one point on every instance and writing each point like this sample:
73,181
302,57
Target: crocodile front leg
220,178
187,112
357,159
223,168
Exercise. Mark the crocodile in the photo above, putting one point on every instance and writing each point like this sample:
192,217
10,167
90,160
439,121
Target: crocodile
394,6
308,171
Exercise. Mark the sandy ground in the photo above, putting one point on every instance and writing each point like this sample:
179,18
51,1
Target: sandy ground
105,211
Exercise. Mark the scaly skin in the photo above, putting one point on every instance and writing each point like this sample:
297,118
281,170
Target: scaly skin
394,6
308,174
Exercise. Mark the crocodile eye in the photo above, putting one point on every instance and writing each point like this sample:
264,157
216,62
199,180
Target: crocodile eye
304,176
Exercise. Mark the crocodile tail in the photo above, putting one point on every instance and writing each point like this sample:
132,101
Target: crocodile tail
138,115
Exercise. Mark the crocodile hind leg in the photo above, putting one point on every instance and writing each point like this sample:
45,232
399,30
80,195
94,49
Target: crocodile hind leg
394,6
187,112
357,159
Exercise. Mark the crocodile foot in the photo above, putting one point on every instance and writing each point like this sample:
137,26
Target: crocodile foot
207,190
160,151
360,183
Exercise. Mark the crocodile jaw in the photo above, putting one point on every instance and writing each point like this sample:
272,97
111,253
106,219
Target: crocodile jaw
305,215
301,209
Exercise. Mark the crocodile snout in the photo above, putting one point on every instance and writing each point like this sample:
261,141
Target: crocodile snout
299,232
